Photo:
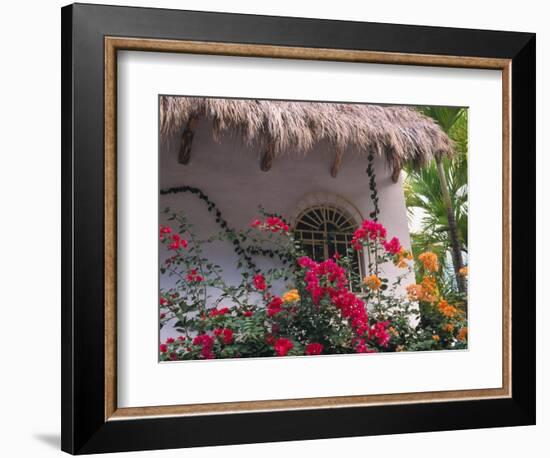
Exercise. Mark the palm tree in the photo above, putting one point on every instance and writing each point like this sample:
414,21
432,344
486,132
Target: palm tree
440,191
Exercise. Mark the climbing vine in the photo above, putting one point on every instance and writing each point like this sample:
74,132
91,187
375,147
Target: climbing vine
246,252
372,187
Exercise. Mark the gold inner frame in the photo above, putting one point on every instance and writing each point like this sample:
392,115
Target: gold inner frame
114,44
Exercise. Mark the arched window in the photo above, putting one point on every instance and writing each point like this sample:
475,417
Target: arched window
324,230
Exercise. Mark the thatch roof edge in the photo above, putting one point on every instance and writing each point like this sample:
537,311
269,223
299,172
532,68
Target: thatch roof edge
401,133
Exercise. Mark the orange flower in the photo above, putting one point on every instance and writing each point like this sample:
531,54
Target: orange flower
392,330
463,271
436,337
447,309
429,260
402,257
373,282
291,296
462,334
426,291
449,327
415,292
429,287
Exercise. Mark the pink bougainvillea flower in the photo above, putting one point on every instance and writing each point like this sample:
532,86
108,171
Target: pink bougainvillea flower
283,346
306,262
314,349
259,282
369,230
393,246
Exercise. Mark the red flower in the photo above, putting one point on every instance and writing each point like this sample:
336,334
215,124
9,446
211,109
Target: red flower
323,278
163,301
276,224
270,339
272,223
227,336
379,332
225,333
283,346
163,348
329,279
259,282
206,342
353,309
274,306
248,313
194,277
164,230
170,340
314,349
361,347
162,315
216,312
177,242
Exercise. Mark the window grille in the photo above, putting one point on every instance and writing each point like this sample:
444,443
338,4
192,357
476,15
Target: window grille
324,230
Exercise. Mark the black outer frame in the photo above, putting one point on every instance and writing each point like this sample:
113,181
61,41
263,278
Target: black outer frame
84,429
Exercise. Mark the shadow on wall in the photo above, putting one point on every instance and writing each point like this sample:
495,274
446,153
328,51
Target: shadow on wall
52,440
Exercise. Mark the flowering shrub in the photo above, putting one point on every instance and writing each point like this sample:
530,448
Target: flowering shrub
326,308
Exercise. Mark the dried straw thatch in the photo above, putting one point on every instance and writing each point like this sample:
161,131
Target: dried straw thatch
400,133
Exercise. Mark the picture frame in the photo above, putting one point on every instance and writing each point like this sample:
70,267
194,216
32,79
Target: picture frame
92,35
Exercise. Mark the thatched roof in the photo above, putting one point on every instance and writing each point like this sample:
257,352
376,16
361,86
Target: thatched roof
400,133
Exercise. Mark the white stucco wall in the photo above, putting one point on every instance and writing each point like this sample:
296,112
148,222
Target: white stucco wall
229,173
